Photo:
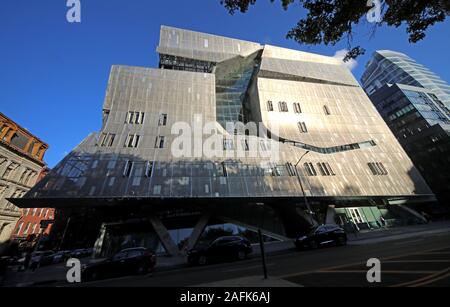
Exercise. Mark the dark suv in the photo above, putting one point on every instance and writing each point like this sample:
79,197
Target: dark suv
321,236
223,248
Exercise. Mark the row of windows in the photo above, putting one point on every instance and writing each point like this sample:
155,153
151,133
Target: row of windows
129,168
134,117
401,112
26,176
378,169
302,127
44,213
30,228
132,140
107,139
283,107
324,168
272,169
137,118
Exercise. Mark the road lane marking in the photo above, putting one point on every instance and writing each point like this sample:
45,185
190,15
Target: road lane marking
422,280
361,262
383,271
417,261
431,280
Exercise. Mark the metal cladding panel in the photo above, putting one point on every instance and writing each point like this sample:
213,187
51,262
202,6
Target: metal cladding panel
318,72
352,119
176,97
201,46
286,63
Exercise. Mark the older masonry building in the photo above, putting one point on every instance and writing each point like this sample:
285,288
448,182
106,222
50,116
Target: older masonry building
21,163
336,159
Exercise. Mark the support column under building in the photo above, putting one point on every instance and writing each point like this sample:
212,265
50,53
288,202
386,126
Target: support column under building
198,230
164,236
413,212
331,215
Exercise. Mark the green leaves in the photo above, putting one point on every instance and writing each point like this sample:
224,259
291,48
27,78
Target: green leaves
330,21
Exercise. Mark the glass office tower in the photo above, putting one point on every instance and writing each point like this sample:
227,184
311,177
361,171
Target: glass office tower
320,153
389,67
415,103
421,123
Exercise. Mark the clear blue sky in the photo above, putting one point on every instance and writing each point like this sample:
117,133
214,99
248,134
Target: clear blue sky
53,74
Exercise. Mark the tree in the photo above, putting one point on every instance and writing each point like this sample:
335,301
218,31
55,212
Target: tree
329,21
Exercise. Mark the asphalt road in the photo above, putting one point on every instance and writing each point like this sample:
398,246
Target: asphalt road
419,261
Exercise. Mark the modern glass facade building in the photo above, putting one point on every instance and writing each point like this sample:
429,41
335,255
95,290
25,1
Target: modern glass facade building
389,67
421,123
319,148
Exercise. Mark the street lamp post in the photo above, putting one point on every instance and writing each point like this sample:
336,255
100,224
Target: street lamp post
301,186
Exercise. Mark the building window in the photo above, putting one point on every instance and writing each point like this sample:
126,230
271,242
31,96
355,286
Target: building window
378,169
134,117
292,171
157,190
302,127
326,110
278,170
128,168
34,228
297,108
160,142
149,169
19,228
23,176
270,106
283,106
107,139
162,120
325,169
30,176
330,169
9,170
310,170
25,232
132,141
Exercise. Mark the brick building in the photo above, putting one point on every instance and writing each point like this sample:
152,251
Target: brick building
32,219
21,165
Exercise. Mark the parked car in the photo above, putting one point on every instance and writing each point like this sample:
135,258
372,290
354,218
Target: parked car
223,248
61,256
88,252
39,259
321,236
76,253
127,262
